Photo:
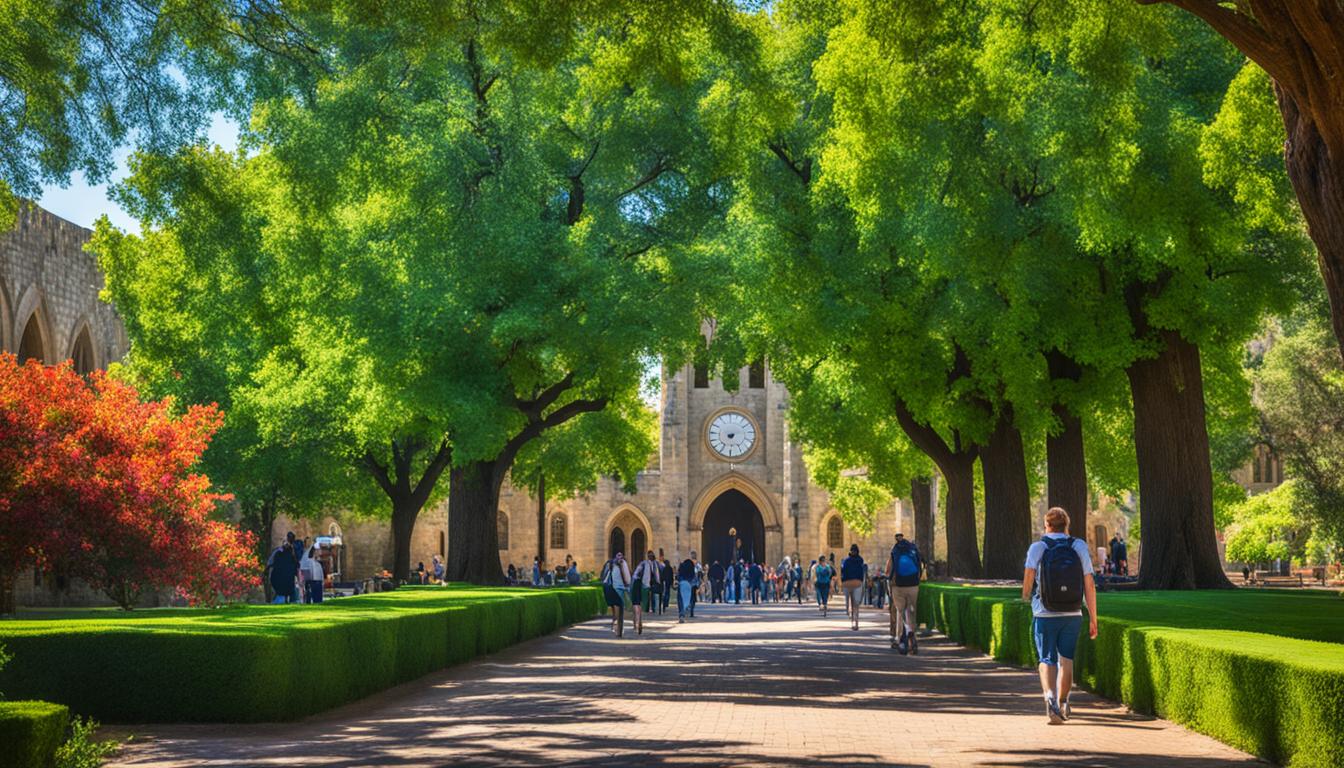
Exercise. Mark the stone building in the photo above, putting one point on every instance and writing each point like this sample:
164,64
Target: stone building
725,464
50,310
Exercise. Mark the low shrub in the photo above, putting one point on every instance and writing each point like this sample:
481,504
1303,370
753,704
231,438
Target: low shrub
31,732
1277,697
271,663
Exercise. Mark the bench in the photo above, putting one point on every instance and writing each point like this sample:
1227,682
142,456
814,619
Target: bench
1273,579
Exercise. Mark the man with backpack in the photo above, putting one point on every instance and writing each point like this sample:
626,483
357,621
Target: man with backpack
1058,581
904,566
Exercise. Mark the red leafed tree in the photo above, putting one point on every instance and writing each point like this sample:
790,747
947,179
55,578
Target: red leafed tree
101,486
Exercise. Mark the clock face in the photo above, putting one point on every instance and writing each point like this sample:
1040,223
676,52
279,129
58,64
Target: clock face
731,435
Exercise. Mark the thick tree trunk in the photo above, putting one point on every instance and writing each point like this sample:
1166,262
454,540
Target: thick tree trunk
1317,176
1066,464
541,516
1179,546
1066,470
956,462
473,539
1007,500
404,514
963,556
921,497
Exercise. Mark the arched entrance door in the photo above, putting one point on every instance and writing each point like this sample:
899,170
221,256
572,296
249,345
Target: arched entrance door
616,542
733,529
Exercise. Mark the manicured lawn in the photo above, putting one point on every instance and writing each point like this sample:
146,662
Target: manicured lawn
268,662
1302,614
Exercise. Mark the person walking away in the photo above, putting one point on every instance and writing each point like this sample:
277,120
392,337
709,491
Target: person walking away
754,583
536,571
284,569
812,577
647,584
796,578
1057,579
730,581
669,577
686,589
716,582
311,572
616,587
851,581
1121,557
904,566
823,575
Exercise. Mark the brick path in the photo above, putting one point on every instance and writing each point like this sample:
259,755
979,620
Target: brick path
775,685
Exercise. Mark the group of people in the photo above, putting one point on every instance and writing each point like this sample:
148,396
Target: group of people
542,576
295,571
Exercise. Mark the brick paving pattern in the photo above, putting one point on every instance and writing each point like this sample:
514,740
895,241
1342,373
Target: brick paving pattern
774,685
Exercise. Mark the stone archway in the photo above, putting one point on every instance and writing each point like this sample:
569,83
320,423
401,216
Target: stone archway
82,354
732,530
633,528
773,546
32,337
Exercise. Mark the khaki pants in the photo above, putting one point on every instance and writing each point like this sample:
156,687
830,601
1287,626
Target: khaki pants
902,610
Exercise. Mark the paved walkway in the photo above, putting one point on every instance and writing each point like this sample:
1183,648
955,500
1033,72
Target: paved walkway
775,685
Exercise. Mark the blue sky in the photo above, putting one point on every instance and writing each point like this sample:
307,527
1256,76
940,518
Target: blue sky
83,203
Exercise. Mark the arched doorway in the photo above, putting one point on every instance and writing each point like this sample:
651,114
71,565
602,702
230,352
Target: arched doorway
615,542
639,544
81,356
32,344
733,529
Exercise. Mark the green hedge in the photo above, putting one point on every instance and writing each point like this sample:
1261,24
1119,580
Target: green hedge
1276,697
265,663
30,732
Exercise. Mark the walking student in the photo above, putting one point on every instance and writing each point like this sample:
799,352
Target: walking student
669,577
904,566
823,575
755,579
851,581
686,589
646,583
1058,582
616,587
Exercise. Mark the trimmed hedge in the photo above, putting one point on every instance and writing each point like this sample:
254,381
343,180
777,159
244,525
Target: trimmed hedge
1276,697
271,663
30,732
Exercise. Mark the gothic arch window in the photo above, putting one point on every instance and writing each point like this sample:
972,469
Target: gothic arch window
502,529
81,356
32,345
559,531
835,533
756,375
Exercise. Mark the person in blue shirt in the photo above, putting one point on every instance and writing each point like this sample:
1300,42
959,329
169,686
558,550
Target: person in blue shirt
822,575
1055,628
851,581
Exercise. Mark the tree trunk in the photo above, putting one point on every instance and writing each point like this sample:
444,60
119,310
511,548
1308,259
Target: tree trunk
1066,470
1007,500
8,605
404,514
1066,464
473,539
1179,546
921,497
963,556
265,535
1318,179
541,516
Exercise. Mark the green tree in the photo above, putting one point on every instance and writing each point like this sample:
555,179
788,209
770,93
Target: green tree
1301,46
1268,527
1298,391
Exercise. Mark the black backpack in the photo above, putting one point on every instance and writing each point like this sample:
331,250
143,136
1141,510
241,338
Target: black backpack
1059,576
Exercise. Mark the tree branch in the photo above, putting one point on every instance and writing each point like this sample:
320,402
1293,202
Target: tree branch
1243,32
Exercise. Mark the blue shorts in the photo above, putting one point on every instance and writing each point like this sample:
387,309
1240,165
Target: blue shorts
1056,636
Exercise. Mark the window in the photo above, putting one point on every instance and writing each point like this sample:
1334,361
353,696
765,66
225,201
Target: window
835,533
502,529
756,375
559,531
1257,471
701,376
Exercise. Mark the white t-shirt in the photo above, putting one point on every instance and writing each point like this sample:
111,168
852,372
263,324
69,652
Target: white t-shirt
1034,554
647,572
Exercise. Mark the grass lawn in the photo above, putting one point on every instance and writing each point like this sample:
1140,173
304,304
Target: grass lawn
1301,614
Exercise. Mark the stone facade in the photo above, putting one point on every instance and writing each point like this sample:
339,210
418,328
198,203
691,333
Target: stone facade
671,508
49,305
50,310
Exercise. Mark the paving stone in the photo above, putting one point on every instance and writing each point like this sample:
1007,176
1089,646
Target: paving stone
774,685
